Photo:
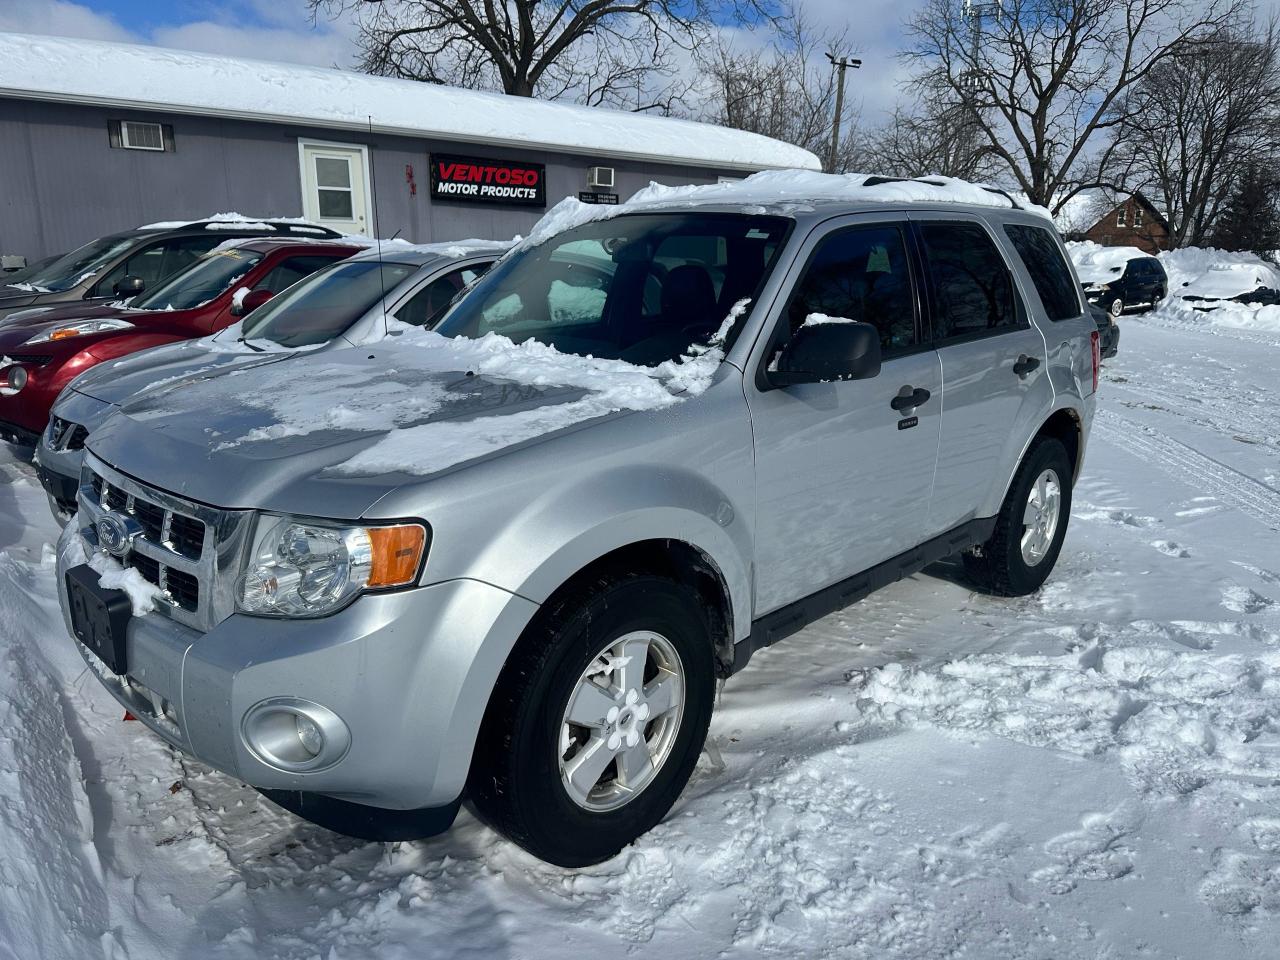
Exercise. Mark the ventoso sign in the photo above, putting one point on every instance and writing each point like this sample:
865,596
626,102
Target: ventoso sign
474,180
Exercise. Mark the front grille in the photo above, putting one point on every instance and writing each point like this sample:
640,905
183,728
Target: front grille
191,551
178,532
30,359
67,435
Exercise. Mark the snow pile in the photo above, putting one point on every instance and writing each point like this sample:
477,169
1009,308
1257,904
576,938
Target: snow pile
1216,274
57,68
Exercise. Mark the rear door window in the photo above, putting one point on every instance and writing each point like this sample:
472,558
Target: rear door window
971,287
1049,272
427,304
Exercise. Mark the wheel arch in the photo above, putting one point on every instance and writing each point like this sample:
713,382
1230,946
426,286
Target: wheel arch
1064,424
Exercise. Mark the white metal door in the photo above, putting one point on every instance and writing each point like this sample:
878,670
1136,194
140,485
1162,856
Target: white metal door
335,185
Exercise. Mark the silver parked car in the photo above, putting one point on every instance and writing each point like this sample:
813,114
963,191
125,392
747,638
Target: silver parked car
353,302
468,565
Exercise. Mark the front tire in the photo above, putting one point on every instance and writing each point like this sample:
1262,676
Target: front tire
596,723
1030,527
1117,307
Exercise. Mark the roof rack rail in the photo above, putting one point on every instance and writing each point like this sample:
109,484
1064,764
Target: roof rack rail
282,227
875,181
1002,193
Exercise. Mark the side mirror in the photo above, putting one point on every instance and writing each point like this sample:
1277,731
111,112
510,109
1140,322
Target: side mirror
829,349
250,302
129,286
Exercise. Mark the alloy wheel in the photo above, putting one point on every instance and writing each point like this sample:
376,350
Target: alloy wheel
1040,517
621,721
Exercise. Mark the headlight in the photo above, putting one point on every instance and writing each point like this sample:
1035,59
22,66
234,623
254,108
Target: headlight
1095,288
79,329
301,568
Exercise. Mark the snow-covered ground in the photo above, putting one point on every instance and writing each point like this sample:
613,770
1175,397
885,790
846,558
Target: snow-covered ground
1090,772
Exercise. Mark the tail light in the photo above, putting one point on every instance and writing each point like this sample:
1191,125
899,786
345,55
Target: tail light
1095,348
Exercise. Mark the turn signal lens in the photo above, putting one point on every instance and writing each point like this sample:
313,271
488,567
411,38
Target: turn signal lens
397,554
64,333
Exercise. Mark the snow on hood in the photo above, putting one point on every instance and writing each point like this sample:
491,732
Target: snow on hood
1095,263
416,406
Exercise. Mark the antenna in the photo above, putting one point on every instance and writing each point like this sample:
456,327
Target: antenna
377,227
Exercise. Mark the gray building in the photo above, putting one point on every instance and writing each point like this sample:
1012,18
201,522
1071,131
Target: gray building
99,137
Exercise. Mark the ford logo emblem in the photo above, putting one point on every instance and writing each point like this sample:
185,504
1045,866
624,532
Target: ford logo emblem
116,533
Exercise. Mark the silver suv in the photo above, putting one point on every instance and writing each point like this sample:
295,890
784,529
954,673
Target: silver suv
507,560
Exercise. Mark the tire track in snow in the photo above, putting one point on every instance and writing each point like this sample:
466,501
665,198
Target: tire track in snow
1251,497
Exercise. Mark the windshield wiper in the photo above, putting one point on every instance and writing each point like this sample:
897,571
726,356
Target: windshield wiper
249,345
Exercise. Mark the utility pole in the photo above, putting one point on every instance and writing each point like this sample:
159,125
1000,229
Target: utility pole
840,64
973,79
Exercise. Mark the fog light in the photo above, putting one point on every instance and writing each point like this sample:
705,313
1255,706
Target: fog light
309,734
297,736
15,379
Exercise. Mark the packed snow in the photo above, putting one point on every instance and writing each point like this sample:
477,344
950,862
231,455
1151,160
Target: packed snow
1090,772
60,68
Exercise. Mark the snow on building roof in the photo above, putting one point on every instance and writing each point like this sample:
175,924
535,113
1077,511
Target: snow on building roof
156,78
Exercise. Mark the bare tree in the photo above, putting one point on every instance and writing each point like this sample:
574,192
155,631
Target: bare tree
1044,76
1191,127
592,51
936,134
785,90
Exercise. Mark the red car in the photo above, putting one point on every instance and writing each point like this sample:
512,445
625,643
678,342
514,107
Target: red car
44,348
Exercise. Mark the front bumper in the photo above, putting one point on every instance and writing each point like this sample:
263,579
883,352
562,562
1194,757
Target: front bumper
408,672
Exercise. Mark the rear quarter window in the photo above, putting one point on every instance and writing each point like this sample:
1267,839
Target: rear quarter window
1042,256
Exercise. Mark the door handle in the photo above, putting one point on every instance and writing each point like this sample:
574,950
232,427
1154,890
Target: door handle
1025,365
909,397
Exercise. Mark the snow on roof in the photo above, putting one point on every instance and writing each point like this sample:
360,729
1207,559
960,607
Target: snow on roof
156,78
238,221
780,191
1095,263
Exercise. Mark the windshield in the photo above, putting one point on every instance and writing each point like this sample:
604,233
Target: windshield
640,287
325,304
209,276
63,273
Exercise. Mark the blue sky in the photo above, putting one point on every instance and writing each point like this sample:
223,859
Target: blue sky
282,30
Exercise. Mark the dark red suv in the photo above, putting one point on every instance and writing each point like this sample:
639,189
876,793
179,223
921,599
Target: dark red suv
44,348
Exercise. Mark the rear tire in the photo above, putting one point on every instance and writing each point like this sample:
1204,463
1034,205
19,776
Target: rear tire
533,778
1030,527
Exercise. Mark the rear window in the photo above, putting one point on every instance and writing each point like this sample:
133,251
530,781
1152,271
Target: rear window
1043,259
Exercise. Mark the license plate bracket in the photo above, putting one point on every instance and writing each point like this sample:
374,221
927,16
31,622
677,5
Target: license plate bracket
99,617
